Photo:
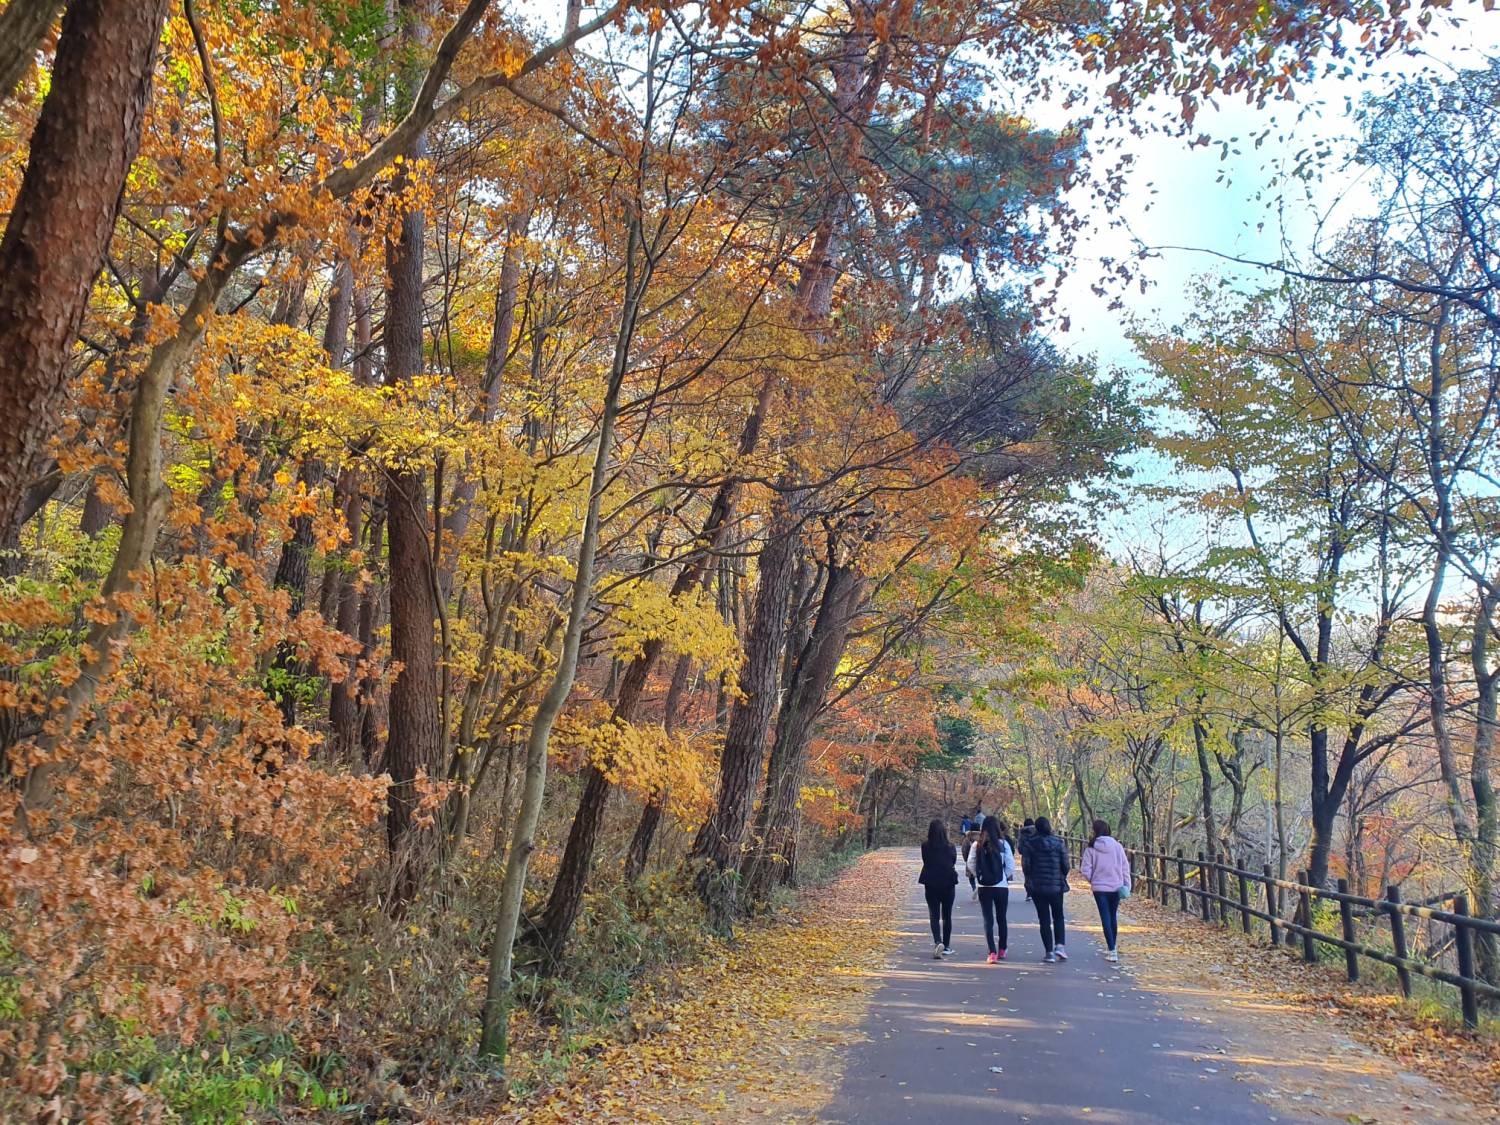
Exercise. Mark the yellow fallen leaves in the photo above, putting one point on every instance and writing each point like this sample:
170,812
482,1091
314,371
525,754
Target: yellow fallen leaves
758,1032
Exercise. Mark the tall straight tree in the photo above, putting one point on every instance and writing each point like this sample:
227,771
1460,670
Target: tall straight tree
60,226
414,746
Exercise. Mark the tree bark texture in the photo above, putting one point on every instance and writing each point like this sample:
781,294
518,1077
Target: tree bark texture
816,664
85,139
718,843
414,744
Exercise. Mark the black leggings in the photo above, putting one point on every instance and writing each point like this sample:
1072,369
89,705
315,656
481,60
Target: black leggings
993,902
1049,912
940,906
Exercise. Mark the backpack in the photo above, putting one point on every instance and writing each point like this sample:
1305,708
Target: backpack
990,866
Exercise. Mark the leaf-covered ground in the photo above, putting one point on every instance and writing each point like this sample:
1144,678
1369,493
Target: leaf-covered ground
1353,1052
758,1034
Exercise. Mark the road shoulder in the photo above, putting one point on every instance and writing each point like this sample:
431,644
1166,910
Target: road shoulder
1312,1044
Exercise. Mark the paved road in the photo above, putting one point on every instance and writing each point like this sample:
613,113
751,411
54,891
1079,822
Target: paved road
959,1041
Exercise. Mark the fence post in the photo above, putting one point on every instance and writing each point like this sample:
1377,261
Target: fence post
1398,939
1346,916
1271,905
1244,897
1223,895
1309,951
1463,941
1181,884
1162,885
1203,900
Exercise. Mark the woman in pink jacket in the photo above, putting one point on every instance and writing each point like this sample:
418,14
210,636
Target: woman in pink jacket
1107,868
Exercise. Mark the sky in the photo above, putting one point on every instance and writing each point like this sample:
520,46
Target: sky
1189,197
1179,198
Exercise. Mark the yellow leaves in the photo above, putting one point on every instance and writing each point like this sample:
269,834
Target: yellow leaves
690,624
645,760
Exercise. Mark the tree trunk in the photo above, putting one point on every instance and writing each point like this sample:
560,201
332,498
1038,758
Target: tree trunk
717,846
815,667
342,600
645,831
1325,809
415,741
566,898
496,1014
60,226
1482,853
23,26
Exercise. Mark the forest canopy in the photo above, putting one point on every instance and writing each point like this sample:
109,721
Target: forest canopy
474,474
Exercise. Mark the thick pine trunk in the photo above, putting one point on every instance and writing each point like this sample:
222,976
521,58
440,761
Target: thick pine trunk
816,665
82,148
717,846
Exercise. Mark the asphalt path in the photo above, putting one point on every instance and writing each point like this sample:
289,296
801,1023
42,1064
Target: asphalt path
958,1040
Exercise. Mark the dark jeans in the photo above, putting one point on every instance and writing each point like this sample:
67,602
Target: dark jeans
940,906
1049,912
1109,915
993,902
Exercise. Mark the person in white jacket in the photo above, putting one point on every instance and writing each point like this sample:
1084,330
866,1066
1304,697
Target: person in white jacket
1107,868
992,864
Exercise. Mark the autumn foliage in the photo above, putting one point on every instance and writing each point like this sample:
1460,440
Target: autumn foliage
425,396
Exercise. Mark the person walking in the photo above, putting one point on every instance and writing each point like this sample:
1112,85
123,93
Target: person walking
1047,876
992,863
1023,841
1107,868
970,839
939,879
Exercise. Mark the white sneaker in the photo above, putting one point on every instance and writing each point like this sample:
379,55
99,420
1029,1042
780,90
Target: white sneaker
947,951
937,952
1062,954
1049,959
1111,956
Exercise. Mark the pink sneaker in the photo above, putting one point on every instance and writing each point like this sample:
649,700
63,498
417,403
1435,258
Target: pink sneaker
992,959
1001,956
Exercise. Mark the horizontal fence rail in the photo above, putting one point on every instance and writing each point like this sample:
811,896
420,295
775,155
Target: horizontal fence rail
1221,892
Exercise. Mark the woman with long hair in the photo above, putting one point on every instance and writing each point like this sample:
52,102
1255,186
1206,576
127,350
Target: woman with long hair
939,879
992,862
1107,868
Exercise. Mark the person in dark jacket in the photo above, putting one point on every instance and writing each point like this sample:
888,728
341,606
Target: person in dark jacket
1024,838
970,839
939,879
1047,877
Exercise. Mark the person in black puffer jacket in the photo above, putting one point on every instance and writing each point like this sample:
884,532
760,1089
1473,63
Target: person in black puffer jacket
939,879
1047,876
1023,844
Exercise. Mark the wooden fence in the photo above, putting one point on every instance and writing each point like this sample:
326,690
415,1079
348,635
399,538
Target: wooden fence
1220,892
